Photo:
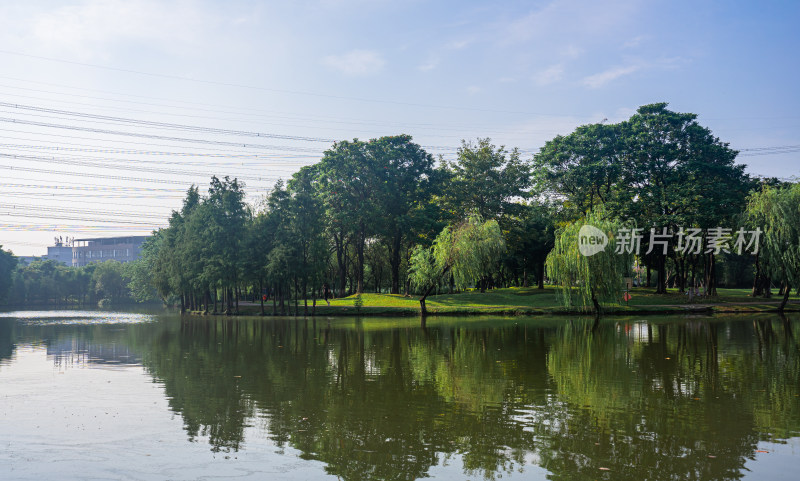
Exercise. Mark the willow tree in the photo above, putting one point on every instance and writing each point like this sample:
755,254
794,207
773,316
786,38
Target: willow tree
776,211
465,251
588,280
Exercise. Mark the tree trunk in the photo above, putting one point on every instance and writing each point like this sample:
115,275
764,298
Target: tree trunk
596,304
261,294
540,275
756,280
305,297
662,274
423,307
341,261
394,261
360,242
712,282
786,292
524,274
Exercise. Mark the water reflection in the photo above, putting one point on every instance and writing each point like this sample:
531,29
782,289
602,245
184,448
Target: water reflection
678,399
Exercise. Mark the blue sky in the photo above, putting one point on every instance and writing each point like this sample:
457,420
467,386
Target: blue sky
518,72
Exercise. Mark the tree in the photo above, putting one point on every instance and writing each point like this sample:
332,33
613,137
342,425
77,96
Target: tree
593,279
659,169
348,183
776,211
583,168
7,264
305,225
404,181
109,280
487,181
281,260
141,284
224,231
529,239
677,174
464,251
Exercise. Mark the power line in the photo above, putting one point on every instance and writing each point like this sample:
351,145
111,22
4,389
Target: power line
101,165
325,120
28,227
267,89
156,137
149,123
26,208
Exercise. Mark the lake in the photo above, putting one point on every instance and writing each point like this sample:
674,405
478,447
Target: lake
104,395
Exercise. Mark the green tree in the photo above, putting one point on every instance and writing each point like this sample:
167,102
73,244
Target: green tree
109,281
583,168
7,264
464,251
488,181
677,174
592,279
141,284
348,185
306,227
529,238
405,181
224,232
776,211
659,169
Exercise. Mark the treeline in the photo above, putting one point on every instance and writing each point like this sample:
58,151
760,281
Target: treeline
47,283
348,224
372,216
658,182
384,216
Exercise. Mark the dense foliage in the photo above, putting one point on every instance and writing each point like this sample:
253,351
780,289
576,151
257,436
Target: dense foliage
47,283
589,279
348,224
380,215
777,211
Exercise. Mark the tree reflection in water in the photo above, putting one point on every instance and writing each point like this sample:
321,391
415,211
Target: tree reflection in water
679,399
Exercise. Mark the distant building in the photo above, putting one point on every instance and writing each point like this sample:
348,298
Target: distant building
61,251
121,249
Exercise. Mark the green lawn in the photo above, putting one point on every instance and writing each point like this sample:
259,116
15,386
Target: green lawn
530,300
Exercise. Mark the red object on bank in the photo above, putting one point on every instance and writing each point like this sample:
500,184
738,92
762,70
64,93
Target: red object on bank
626,297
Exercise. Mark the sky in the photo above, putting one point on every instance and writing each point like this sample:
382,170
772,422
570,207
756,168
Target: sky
110,110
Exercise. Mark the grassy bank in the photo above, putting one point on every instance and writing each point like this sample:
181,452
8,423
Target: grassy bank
532,301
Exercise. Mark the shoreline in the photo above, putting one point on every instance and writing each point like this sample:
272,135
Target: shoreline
388,311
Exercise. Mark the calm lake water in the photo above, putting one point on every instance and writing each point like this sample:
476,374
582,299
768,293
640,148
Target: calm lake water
97,395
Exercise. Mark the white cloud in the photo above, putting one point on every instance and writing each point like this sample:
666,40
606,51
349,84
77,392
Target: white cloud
356,62
634,42
571,51
552,74
431,64
88,29
601,79
457,44
568,18
473,89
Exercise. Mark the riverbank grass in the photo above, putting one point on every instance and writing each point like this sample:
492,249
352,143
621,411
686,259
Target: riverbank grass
531,300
